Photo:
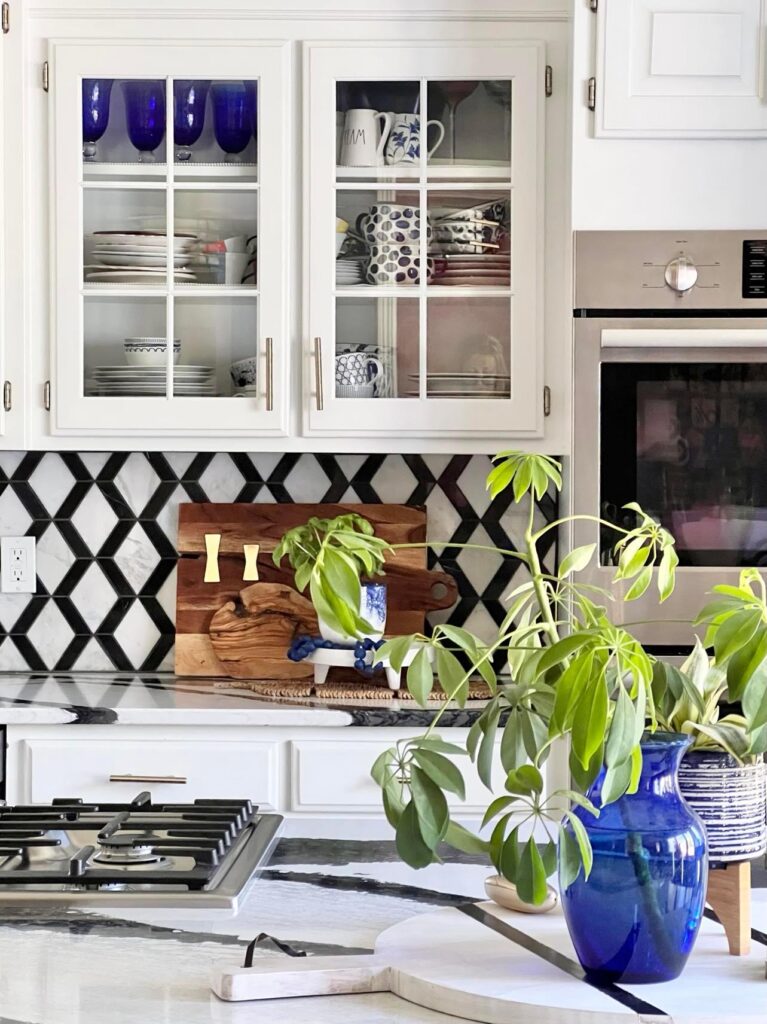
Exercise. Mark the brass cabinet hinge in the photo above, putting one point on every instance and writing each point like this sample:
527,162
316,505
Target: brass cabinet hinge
47,396
7,396
591,100
46,76
5,18
546,400
549,80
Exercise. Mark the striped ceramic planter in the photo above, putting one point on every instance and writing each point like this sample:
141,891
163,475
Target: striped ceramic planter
730,798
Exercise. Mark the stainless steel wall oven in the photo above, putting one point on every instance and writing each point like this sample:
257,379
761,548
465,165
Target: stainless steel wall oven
671,404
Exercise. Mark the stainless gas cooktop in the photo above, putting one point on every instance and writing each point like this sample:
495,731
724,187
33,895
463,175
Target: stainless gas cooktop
132,854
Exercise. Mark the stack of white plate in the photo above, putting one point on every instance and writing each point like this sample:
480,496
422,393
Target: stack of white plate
463,385
139,257
474,271
349,271
188,381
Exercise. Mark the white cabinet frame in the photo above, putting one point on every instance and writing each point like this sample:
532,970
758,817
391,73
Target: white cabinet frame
324,65
72,412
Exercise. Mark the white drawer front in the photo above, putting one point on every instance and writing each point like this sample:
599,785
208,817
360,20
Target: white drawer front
336,777
76,768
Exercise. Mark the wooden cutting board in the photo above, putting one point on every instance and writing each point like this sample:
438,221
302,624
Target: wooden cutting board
236,628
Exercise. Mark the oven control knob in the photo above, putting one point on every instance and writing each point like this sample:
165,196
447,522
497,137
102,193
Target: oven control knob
681,274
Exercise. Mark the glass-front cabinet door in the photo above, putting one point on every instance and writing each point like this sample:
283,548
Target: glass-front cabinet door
171,222
424,176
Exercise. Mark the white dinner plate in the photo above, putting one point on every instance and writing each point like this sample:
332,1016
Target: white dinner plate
105,276
109,259
140,239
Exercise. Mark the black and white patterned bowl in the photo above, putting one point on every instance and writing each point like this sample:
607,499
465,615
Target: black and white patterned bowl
730,799
397,264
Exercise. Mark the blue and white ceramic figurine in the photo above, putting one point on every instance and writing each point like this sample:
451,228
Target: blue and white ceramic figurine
404,143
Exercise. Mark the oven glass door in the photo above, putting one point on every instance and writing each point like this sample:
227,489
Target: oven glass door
688,441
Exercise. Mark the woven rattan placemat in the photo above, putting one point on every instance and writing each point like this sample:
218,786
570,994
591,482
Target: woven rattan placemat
340,690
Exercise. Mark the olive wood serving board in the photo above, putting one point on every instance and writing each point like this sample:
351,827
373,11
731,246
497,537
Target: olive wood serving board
236,628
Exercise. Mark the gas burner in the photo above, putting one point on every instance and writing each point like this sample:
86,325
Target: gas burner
127,848
138,853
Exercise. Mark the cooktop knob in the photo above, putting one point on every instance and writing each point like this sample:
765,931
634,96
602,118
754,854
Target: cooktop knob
681,274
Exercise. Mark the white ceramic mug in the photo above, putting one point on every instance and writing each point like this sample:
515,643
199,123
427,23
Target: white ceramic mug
364,138
404,143
353,369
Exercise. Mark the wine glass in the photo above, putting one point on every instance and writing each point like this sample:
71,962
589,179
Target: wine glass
233,117
189,99
145,109
96,93
455,93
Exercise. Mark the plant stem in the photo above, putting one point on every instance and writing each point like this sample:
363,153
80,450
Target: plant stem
570,519
536,572
471,547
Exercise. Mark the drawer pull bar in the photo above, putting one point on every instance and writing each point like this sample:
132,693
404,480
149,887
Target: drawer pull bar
178,780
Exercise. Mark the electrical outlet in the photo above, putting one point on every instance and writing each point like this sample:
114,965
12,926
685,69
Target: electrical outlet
17,565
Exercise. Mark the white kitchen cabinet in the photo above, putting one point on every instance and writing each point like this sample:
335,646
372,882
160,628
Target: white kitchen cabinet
439,283
681,68
471,362
138,233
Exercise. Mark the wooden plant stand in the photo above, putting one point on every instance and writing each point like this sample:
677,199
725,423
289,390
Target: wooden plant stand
729,896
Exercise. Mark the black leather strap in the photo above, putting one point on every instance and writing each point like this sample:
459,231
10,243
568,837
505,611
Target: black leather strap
264,938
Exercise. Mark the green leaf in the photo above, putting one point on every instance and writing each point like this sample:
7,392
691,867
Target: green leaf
525,780
441,771
513,752
396,651
632,558
496,806
392,806
531,874
569,689
622,730
728,737
668,563
497,839
576,560
640,584
583,777
562,650
616,782
461,839
744,663
341,578
570,862
420,678
383,766
440,746
410,845
754,701
431,807
487,747
522,479
549,857
734,633
474,736
590,721
509,857
636,770
453,678
534,733
581,800
583,841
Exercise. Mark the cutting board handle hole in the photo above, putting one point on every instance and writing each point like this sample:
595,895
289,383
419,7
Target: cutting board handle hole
439,591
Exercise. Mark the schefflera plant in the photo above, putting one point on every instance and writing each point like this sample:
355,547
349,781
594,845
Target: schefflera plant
573,674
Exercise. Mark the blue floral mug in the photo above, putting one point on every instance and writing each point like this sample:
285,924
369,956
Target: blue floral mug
404,143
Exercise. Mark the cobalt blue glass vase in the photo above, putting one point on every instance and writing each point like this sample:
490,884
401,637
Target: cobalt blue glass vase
233,116
189,99
96,93
145,114
637,916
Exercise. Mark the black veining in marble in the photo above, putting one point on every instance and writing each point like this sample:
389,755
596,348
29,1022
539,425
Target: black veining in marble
371,886
341,852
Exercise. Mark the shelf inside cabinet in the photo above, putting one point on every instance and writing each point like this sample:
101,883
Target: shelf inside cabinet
188,171
497,171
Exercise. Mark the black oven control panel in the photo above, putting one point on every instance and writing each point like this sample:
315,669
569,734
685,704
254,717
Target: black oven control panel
755,268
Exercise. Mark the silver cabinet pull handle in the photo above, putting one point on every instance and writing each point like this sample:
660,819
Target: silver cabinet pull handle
47,396
318,374
269,374
175,780
7,396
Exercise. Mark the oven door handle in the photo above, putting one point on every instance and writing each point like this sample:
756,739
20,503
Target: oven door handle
683,337
177,780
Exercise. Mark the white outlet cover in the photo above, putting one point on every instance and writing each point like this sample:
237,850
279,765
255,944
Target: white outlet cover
18,571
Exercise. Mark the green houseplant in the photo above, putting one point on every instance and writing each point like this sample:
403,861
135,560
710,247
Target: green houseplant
330,557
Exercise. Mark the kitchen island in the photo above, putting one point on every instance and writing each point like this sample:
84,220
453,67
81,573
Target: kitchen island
330,889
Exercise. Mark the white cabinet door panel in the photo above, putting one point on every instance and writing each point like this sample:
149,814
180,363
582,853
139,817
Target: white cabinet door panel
238,769
680,68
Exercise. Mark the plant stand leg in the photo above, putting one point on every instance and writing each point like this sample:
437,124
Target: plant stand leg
392,678
320,674
729,896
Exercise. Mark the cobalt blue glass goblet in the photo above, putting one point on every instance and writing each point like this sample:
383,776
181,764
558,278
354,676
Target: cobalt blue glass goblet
96,92
188,115
233,116
145,109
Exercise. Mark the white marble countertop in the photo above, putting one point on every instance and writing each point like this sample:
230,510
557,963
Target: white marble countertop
157,699
322,895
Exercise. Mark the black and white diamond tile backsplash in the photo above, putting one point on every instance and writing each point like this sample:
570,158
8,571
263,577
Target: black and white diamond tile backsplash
106,527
